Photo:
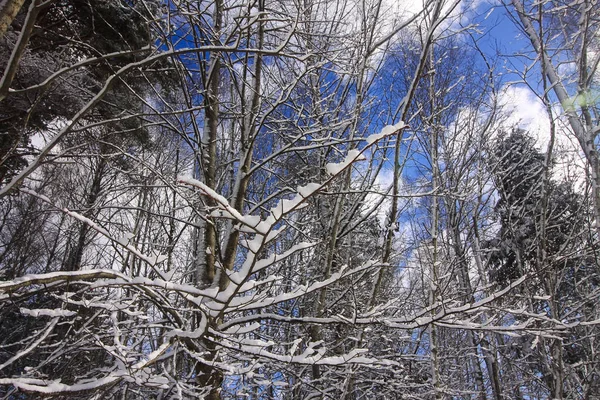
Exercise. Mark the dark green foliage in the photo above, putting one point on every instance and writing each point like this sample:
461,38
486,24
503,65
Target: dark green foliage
519,171
67,32
99,27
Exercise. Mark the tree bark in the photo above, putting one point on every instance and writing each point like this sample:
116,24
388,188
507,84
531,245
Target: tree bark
8,11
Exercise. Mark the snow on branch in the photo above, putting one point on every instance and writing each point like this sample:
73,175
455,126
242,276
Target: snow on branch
152,260
132,373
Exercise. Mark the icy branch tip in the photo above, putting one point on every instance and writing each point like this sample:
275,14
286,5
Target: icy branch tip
187,179
352,156
386,131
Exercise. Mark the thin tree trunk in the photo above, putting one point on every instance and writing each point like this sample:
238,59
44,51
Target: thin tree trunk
490,358
584,135
466,288
434,282
248,139
73,261
208,376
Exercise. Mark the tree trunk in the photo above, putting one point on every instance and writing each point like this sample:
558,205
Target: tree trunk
73,261
8,11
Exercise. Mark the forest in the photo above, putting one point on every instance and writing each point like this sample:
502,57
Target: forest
299,199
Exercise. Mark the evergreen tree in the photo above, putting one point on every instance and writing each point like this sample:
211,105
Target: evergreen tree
518,169
542,235
65,33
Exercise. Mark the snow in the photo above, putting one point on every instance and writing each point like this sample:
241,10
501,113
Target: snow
295,345
352,156
308,189
386,131
285,206
254,223
247,303
226,208
44,312
54,387
309,356
124,240
48,278
133,373
157,258
238,330
251,220
355,155
252,284
195,334
34,193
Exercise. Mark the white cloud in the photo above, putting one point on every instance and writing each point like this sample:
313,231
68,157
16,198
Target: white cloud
383,182
525,110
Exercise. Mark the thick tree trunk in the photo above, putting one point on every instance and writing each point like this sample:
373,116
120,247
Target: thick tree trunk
208,377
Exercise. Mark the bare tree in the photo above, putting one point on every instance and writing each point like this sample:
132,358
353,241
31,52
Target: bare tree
285,199
565,35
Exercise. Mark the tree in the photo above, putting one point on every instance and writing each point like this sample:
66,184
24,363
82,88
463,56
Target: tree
542,235
519,172
279,199
564,34
227,213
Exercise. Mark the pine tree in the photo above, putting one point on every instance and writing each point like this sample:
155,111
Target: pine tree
518,170
542,235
